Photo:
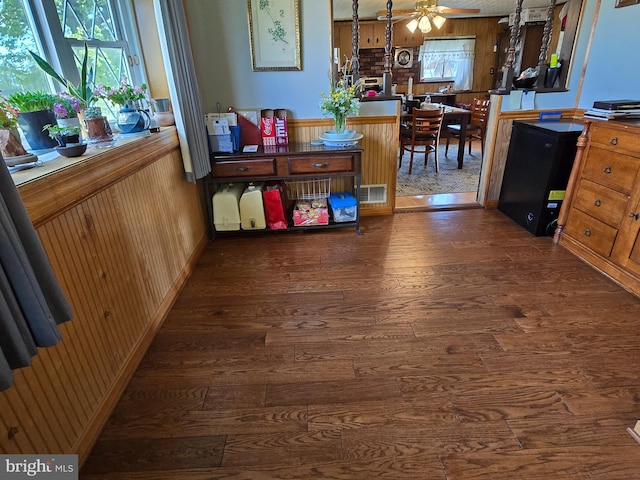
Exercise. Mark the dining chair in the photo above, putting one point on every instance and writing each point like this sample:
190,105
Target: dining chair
423,130
476,127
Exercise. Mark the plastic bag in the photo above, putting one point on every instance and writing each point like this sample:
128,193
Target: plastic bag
273,209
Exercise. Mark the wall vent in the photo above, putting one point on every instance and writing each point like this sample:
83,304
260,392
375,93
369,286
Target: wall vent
373,193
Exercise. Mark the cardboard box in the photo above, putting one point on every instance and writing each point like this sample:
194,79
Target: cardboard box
311,212
273,127
267,126
530,15
280,124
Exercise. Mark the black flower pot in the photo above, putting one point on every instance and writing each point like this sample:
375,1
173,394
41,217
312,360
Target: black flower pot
31,123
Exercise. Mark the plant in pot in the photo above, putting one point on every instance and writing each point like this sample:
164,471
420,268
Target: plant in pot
10,143
67,135
98,129
131,118
36,111
68,138
82,91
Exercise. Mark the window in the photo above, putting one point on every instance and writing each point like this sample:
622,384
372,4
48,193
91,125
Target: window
57,30
448,60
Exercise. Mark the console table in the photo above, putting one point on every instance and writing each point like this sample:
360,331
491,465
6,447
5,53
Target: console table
297,161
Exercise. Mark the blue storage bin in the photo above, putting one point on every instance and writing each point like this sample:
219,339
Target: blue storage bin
344,207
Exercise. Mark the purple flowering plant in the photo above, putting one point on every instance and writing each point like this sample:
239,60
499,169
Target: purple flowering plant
66,106
123,94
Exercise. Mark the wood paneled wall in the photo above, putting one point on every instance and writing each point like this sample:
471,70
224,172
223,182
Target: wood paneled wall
380,156
121,255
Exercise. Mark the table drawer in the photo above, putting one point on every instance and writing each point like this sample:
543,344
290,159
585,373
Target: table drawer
590,232
614,170
244,168
601,202
615,139
321,165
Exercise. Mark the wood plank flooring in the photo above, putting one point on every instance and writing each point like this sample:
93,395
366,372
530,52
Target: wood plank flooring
447,345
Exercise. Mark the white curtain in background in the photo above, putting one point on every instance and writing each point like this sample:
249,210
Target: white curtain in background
183,87
448,60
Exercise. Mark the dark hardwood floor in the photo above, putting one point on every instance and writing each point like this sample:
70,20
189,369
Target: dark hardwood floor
438,345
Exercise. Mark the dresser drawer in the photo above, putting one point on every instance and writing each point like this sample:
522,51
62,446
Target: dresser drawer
262,167
321,165
615,139
611,169
590,232
601,202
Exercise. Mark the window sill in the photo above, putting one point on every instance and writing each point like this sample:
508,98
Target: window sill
62,182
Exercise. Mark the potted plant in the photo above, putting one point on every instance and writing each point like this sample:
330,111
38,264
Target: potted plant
66,109
10,144
98,129
131,118
36,111
65,135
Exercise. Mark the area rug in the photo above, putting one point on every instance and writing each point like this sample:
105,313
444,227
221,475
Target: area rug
425,181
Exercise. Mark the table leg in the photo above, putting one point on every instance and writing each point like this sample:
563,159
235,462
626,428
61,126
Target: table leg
463,136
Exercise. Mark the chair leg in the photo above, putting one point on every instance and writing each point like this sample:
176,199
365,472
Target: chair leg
435,156
401,154
446,148
470,140
482,145
411,160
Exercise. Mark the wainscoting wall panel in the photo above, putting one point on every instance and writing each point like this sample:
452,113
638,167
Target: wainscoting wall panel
121,255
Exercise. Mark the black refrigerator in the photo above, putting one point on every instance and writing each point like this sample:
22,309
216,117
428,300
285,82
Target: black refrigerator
537,172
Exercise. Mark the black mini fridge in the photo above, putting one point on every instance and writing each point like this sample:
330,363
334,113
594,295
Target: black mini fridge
537,172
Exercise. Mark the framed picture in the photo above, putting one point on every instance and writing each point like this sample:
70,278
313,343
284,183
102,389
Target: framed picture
274,30
626,3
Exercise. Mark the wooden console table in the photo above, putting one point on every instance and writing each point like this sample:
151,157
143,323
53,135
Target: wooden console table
297,161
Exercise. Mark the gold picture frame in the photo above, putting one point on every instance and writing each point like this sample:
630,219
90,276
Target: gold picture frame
274,31
626,3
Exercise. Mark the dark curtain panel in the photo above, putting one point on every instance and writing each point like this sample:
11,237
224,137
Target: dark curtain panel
32,304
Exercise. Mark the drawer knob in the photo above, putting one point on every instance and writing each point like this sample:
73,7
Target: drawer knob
607,170
320,165
242,169
587,233
614,141
635,216
597,203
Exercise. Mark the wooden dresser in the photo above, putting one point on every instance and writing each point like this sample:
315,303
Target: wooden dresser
600,217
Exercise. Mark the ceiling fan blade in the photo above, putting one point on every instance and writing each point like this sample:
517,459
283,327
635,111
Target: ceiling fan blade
395,13
446,10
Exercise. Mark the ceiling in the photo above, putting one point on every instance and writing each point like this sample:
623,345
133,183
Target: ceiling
342,9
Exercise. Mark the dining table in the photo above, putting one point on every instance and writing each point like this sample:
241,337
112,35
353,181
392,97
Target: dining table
452,115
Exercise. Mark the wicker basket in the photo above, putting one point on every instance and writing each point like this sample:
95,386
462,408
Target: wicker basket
309,189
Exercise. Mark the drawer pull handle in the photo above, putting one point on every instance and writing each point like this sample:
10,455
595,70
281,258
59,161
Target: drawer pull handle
607,170
597,203
614,141
321,165
587,233
243,169
635,216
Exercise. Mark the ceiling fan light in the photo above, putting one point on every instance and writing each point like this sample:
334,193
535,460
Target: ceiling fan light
412,25
438,21
424,25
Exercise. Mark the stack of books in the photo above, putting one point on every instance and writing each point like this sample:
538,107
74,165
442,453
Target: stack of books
614,110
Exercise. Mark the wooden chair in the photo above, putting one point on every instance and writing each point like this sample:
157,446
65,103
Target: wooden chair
422,131
475,129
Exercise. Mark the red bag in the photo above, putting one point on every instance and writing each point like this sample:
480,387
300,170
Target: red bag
273,209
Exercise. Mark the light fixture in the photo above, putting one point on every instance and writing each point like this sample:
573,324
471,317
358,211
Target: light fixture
425,19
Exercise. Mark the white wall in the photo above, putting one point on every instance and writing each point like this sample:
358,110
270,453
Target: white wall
219,34
613,71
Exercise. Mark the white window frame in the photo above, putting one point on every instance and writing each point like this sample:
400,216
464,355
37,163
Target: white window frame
426,50
57,49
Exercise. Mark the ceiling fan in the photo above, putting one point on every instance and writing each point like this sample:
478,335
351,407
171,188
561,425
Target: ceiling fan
425,14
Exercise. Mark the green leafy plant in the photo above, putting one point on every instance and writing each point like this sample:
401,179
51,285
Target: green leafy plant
92,112
31,101
8,114
83,91
64,131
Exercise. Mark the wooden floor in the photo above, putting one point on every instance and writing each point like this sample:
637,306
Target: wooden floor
442,345
439,201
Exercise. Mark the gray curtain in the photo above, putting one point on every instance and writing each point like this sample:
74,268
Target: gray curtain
183,87
32,304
